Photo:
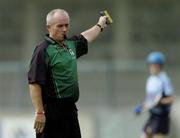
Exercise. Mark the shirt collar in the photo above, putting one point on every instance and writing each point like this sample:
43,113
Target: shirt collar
50,40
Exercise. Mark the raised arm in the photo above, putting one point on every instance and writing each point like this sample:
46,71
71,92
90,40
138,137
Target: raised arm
92,33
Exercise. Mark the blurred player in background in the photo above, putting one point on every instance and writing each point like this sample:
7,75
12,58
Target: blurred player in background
53,76
159,98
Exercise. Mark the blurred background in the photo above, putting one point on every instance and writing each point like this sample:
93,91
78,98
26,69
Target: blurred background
112,76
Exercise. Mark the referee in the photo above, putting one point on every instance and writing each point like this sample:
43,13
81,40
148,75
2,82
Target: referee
52,76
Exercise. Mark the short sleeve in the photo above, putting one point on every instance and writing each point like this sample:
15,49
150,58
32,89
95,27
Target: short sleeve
37,70
81,45
168,88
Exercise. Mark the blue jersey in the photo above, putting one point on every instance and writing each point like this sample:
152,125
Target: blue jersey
158,86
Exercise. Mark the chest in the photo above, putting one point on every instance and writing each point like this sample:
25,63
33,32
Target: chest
61,57
154,87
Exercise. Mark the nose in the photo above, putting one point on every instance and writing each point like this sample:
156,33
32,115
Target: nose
64,28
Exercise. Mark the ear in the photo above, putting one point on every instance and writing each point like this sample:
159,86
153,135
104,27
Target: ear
48,28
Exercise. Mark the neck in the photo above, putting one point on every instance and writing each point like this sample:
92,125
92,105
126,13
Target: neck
58,41
156,73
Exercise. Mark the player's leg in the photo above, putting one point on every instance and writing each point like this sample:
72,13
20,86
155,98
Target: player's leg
148,128
61,121
148,132
74,128
162,127
159,136
55,125
144,135
68,124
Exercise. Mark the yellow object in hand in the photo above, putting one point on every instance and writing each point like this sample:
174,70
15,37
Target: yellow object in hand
105,13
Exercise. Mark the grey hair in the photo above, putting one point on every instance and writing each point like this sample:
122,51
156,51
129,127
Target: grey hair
49,17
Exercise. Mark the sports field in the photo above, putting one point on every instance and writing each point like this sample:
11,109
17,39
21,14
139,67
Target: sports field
112,76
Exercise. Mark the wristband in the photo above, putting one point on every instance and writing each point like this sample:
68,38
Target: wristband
100,27
40,113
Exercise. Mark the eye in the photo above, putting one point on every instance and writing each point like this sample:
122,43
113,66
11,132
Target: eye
60,26
66,25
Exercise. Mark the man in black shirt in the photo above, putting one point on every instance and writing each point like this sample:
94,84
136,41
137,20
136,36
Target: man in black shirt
53,78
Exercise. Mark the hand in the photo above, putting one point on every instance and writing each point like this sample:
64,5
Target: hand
102,21
138,109
39,123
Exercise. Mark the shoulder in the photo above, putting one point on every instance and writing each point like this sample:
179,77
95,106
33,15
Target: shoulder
77,38
39,50
42,46
166,82
164,77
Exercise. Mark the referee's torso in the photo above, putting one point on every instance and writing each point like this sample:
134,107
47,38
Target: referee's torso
54,67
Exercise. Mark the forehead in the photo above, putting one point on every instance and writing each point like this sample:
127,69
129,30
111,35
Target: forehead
60,18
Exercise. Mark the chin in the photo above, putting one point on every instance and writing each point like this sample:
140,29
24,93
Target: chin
60,39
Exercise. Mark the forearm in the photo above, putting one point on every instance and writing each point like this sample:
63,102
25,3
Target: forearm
145,106
167,100
36,97
92,33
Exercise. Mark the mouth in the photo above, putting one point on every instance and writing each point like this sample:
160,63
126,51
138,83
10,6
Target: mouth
64,36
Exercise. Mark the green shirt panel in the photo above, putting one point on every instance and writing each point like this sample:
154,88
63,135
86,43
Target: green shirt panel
63,66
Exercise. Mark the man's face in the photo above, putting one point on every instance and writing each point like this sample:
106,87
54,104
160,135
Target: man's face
59,27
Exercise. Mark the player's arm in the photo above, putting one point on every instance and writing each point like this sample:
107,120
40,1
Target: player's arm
169,92
145,106
167,100
92,33
36,97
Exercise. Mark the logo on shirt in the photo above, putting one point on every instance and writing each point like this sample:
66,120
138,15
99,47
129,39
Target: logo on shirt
72,53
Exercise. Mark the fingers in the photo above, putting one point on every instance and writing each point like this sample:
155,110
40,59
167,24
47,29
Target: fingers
39,126
39,123
42,128
108,17
102,21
